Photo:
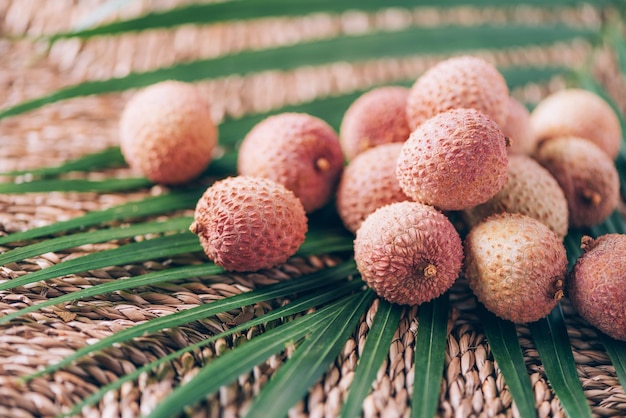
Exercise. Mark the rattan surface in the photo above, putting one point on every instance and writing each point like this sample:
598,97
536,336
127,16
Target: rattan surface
472,383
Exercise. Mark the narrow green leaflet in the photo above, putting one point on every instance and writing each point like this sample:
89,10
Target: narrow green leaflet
430,354
107,158
92,237
232,131
572,246
302,304
553,344
325,245
504,343
409,42
617,353
384,326
255,9
148,279
315,280
309,362
151,249
226,368
76,185
149,206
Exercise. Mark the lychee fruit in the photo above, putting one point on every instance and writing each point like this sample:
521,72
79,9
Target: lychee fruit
596,284
249,223
581,113
408,253
458,82
519,129
453,161
587,176
368,182
516,266
531,190
167,134
377,117
297,150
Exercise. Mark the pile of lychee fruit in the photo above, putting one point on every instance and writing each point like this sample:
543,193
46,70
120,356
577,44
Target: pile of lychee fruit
405,160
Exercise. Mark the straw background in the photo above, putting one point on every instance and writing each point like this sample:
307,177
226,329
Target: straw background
472,384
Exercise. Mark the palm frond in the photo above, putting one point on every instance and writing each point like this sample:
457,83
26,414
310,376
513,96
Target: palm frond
553,344
311,300
302,284
430,350
328,305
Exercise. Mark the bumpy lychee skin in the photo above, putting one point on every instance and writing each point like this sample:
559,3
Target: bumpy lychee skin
453,161
458,82
375,118
408,253
587,176
516,266
581,113
249,223
167,134
368,183
519,129
596,285
531,190
297,150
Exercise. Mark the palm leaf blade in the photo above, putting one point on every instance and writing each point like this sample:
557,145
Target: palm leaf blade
76,185
147,279
93,237
299,305
552,342
309,362
135,209
617,353
308,282
180,243
413,41
240,360
237,10
504,344
430,350
376,348
107,158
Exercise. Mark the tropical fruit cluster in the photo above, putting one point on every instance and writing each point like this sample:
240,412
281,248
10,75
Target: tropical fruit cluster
456,142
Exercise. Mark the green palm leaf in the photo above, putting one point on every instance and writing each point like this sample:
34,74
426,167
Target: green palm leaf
504,344
229,366
239,10
302,284
92,237
167,246
309,362
430,353
76,185
375,350
412,41
148,206
147,279
321,334
302,304
550,337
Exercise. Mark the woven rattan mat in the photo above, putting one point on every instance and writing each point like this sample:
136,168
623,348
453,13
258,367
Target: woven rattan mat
472,384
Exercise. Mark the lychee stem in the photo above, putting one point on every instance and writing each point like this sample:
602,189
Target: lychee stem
592,196
194,228
430,271
587,243
322,164
558,295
